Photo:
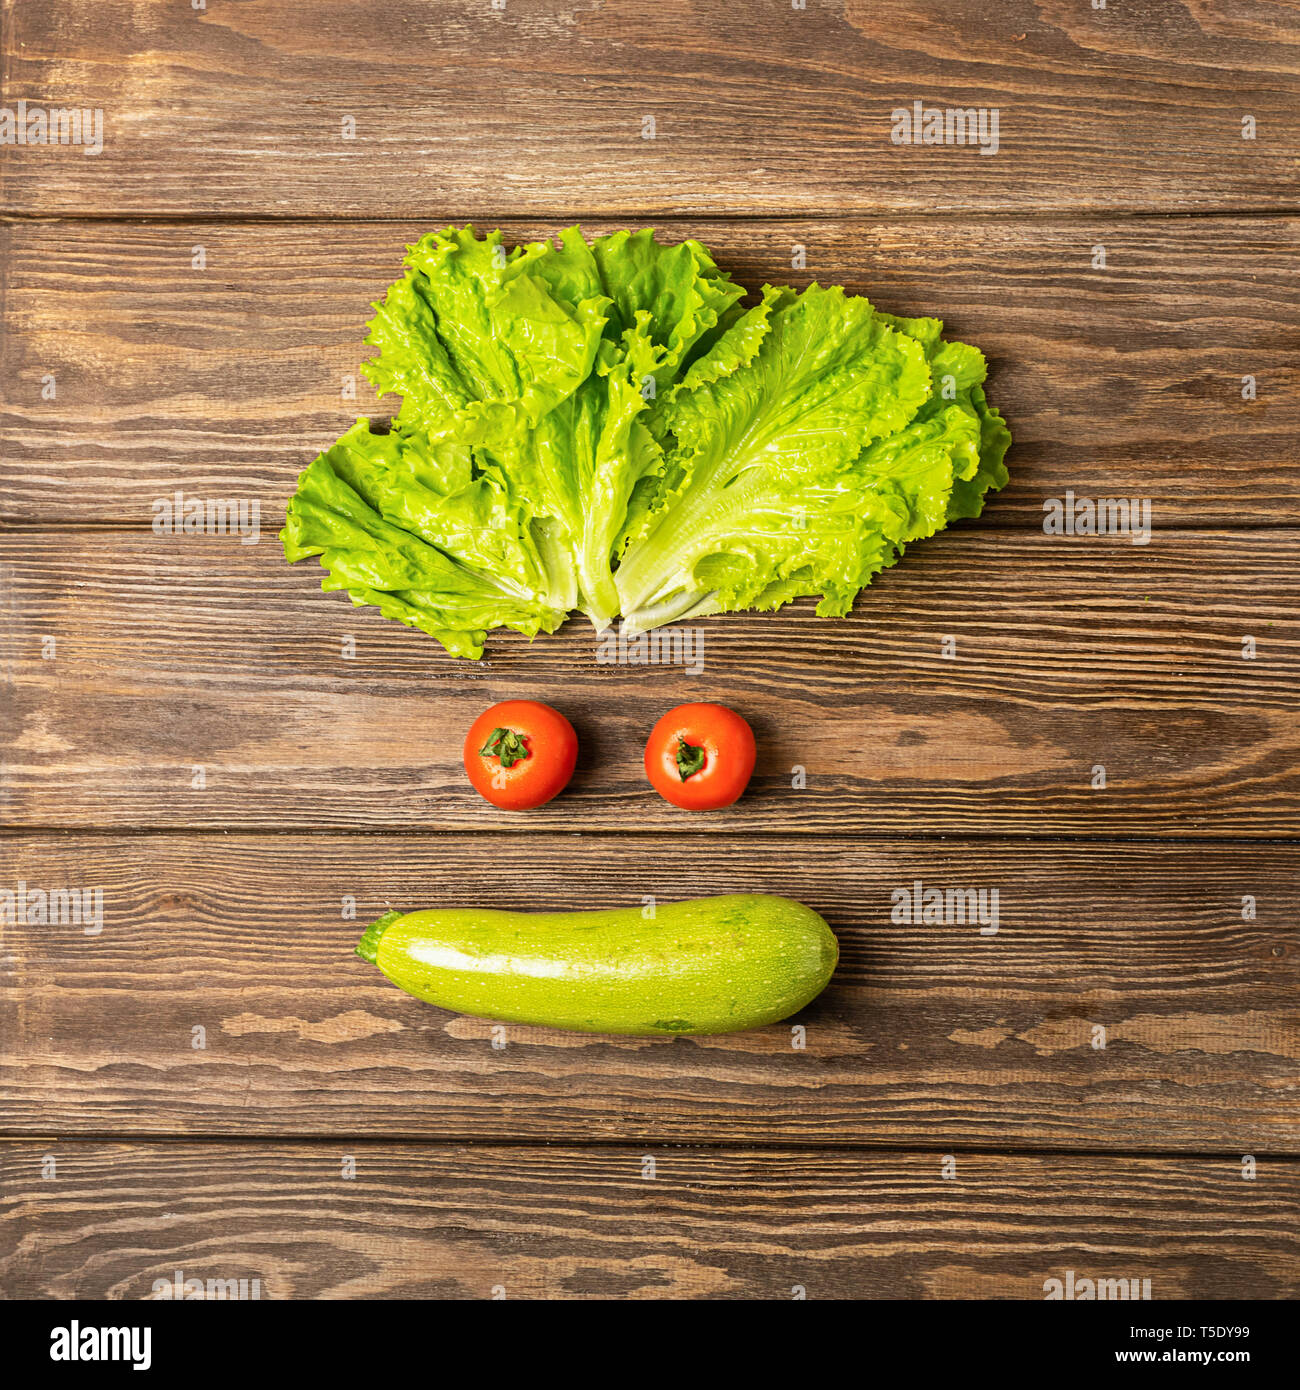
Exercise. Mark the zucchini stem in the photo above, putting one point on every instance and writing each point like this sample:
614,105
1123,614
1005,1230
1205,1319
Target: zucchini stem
368,947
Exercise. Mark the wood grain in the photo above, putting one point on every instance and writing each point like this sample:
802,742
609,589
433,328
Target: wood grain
172,654
462,109
574,1223
225,382
929,1034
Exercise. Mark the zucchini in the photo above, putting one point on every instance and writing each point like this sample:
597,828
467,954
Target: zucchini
712,965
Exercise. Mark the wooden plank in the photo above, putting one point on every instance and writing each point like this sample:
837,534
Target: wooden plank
176,653
119,1220
930,1034
225,382
457,106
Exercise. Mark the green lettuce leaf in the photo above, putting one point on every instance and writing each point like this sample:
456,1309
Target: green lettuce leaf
582,461
476,341
762,487
409,527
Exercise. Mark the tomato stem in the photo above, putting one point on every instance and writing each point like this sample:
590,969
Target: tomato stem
507,745
690,758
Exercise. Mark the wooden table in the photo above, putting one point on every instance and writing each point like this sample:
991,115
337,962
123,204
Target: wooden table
212,1083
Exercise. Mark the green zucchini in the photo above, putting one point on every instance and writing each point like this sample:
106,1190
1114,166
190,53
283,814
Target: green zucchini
712,965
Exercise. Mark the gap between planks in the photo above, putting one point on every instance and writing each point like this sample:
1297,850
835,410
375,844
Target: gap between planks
244,830
127,527
775,1146
1045,213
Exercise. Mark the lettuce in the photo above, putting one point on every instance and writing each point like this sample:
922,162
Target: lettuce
604,427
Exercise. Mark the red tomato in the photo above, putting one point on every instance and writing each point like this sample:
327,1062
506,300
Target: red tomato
520,753
700,756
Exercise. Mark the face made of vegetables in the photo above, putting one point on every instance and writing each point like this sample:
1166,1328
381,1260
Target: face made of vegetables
603,427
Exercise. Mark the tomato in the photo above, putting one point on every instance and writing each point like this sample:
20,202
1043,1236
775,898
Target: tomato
520,753
700,756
